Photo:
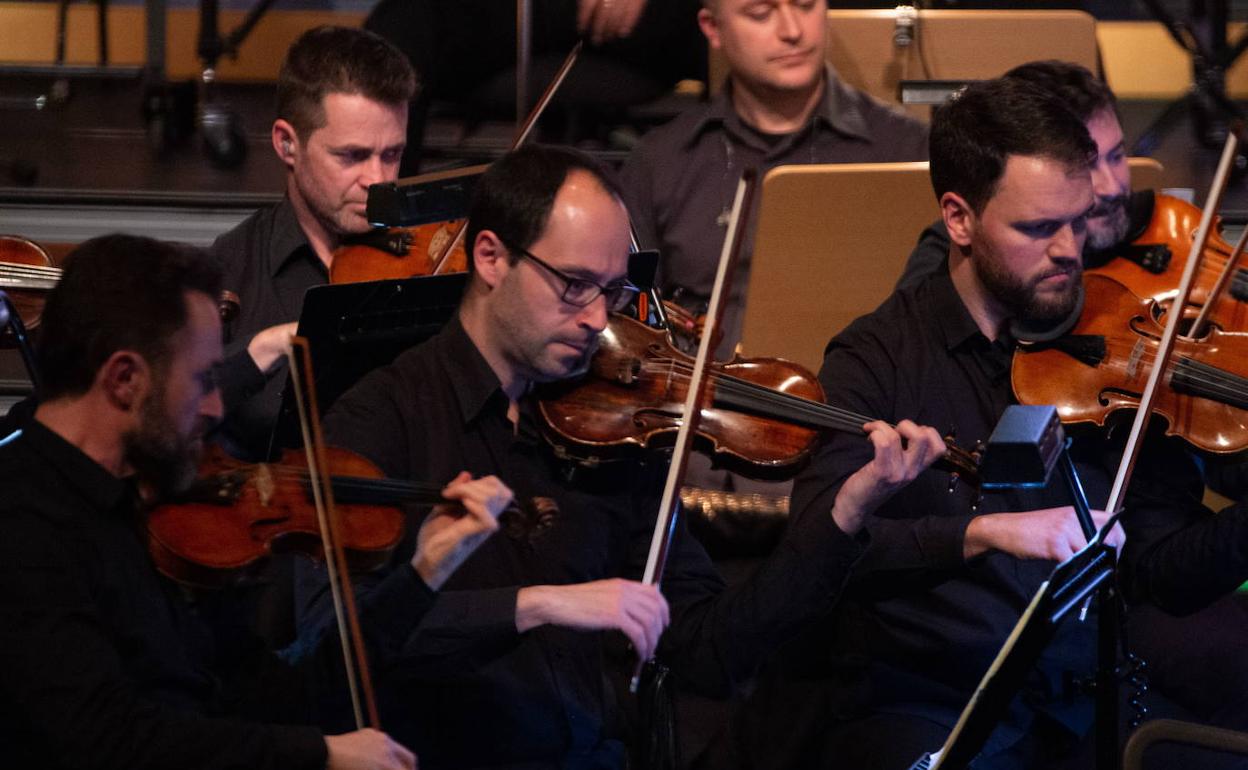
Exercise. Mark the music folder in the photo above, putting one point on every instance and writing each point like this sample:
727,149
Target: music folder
353,328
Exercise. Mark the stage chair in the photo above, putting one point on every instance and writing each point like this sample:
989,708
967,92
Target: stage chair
830,244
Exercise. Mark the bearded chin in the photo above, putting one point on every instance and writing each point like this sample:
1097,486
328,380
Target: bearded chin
159,456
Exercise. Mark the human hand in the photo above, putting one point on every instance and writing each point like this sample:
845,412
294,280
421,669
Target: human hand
271,345
901,454
637,609
367,749
1049,533
606,20
450,533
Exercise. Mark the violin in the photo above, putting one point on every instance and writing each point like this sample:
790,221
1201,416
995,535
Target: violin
236,514
1150,266
762,416
27,274
1100,367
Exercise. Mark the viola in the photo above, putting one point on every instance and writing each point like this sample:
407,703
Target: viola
762,419
236,514
1151,265
1100,368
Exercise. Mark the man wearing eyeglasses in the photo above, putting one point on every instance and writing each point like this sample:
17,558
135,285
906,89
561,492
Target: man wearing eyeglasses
511,667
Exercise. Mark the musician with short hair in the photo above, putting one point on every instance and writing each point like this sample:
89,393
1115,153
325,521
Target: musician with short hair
104,663
342,97
510,667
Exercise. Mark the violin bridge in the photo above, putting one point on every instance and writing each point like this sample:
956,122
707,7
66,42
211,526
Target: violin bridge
1133,362
264,483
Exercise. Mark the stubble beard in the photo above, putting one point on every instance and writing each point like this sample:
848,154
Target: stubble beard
160,456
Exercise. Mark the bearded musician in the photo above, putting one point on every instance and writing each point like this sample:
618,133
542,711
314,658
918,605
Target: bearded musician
941,584
105,663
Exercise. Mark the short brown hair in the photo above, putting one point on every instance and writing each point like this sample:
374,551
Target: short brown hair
344,60
117,292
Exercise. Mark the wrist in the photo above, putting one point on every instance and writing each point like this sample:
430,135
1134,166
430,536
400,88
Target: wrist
978,538
531,604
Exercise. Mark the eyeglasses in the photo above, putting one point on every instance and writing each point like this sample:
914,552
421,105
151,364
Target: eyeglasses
582,291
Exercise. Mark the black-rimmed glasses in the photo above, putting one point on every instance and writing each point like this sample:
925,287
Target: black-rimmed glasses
582,291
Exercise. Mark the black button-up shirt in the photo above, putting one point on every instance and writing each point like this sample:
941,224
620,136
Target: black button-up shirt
681,180
920,622
473,691
269,264
102,661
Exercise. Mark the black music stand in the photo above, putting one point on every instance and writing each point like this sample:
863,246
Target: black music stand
354,328
1026,445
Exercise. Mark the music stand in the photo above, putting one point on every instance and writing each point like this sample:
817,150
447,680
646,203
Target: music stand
354,328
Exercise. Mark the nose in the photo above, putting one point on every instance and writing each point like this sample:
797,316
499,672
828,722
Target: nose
212,406
594,315
1104,185
1067,243
788,27
374,171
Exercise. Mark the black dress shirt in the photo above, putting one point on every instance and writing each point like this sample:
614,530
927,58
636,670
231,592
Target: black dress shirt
269,264
103,664
474,692
919,625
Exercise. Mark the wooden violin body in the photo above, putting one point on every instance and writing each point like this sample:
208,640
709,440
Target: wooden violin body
1150,267
399,252
27,274
1101,366
632,396
237,514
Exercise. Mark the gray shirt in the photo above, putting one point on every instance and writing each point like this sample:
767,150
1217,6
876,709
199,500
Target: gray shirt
680,182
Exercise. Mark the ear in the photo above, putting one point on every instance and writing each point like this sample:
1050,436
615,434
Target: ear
125,379
285,142
490,258
709,26
959,218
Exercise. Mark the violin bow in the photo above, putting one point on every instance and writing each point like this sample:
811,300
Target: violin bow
363,701
1166,345
521,136
669,508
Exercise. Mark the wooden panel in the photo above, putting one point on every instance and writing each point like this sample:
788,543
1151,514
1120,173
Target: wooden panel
28,35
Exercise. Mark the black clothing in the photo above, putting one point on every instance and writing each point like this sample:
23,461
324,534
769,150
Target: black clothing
104,664
933,247
269,264
471,690
919,625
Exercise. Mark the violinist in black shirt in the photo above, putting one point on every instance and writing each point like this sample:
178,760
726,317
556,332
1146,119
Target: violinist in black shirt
942,583
510,669
103,662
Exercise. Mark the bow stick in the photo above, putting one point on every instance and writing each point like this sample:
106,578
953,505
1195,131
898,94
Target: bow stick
354,656
669,508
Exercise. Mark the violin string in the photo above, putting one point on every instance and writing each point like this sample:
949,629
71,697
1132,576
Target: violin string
398,487
762,397
41,270
1214,382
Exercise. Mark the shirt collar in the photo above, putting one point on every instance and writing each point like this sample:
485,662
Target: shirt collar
102,489
286,240
956,324
474,382
837,109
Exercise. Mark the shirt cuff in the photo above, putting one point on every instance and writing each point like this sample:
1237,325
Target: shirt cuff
299,747
818,540
398,604
941,539
239,379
